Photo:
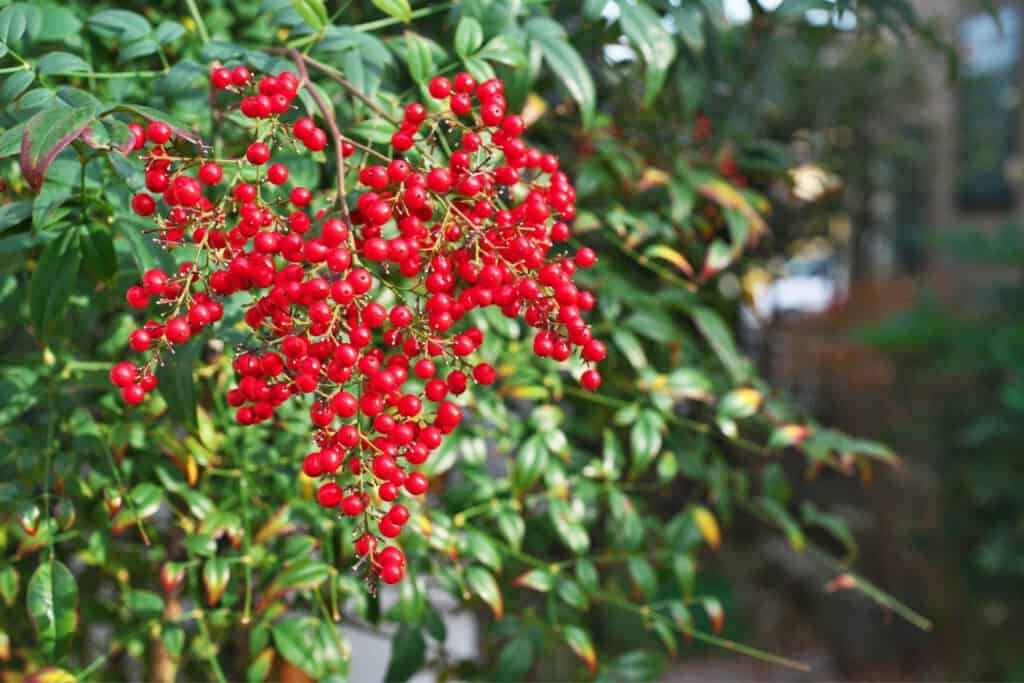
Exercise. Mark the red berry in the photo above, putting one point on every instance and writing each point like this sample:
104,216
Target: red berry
158,132
257,153
240,75
211,173
590,379
440,87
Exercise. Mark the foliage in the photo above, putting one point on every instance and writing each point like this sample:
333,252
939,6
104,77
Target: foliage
970,348
194,547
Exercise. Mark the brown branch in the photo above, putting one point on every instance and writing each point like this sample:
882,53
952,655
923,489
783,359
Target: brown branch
300,62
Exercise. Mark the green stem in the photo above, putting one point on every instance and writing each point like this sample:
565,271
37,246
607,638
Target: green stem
197,16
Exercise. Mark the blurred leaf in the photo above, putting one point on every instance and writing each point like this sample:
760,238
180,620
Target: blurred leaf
644,29
216,574
482,583
582,646
720,338
708,526
514,660
645,439
62,62
642,573
408,654
781,518
10,580
399,9
536,579
177,385
291,640
54,280
570,591
569,527
638,665
313,12
417,56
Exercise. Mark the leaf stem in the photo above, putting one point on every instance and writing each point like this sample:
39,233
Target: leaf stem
198,18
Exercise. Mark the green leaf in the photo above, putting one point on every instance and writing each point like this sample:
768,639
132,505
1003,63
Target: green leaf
539,580
834,525
690,21
797,8
376,130
216,574
119,23
569,526
570,591
582,646
174,639
14,213
399,9
781,518
511,526
720,338
645,439
408,654
644,29
502,49
630,347
62,63
638,665
98,254
145,604
168,32
566,64
418,57
302,575
291,640
313,12
515,660
530,462
10,581
201,544
469,36
14,85
685,570
177,385
46,135
642,573
483,584
481,548
53,607
54,280
13,23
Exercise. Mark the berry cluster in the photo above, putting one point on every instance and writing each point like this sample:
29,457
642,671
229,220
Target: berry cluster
362,308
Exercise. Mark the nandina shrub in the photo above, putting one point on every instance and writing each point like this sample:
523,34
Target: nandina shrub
152,533
364,309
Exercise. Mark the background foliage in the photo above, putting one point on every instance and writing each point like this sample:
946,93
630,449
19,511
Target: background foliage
166,541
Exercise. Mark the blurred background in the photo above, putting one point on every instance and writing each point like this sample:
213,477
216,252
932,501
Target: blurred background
892,310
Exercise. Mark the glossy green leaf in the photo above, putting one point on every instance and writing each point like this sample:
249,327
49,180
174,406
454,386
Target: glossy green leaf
177,384
569,526
52,600
469,36
514,660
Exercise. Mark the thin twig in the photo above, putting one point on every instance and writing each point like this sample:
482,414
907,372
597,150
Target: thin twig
300,63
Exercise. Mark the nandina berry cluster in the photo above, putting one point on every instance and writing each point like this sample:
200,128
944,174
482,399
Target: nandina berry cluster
362,309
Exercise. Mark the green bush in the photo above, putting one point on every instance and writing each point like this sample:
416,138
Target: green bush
166,541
